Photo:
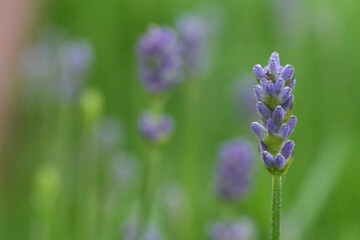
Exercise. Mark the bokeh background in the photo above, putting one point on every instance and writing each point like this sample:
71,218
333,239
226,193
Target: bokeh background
71,169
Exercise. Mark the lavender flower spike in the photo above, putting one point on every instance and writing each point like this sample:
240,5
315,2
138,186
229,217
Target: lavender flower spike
239,229
234,169
275,107
155,128
159,60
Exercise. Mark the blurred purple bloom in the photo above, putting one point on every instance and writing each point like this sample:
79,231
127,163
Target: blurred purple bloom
155,128
131,231
109,133
233,177
194,34
159,60
242,229
125,170
275,105
245,100
56,64
74,59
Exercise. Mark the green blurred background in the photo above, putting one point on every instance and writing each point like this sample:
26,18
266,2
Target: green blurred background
53,178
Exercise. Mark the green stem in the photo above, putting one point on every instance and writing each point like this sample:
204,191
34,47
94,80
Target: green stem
150,182
276,205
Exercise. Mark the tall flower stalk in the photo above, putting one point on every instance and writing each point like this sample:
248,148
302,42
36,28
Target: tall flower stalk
275,106
160,69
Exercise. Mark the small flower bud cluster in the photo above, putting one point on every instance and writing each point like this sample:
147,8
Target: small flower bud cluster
240,229
155,128
159,60
275,106
234,169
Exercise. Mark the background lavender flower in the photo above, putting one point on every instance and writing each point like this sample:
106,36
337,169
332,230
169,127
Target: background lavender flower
125,168
244,99
74,59
234,169
159,60
56,64
275,104
131,231
194,34
155,128
109,133
241,229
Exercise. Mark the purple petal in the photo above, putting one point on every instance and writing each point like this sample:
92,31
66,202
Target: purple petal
263,110
279,161
272,126
268,159
287,149
259,130
278,115
279,85
259,71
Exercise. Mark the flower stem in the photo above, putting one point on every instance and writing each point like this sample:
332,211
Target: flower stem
276,205
150,183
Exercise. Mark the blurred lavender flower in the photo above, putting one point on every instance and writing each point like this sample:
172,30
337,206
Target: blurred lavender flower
242,229
131,231
156,128
234,169
74,59
194,33
55,64
275,104
109,133
245,99
125,167
159,60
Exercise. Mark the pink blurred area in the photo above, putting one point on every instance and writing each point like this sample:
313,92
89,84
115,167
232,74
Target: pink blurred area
16,17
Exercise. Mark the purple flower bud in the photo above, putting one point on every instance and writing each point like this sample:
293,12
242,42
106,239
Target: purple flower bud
269,88
259,130
159,60
268,159
263,146
279,161
263,82
155,128
242,229
288,103
258,90
259,71
234,170
287,72
276,56
273,67
278,115
272,126
279,85
132,230
263,110
284,130
287,149
292,124
284,94
292,84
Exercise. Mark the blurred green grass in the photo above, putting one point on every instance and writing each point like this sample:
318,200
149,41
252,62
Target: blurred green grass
320,40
